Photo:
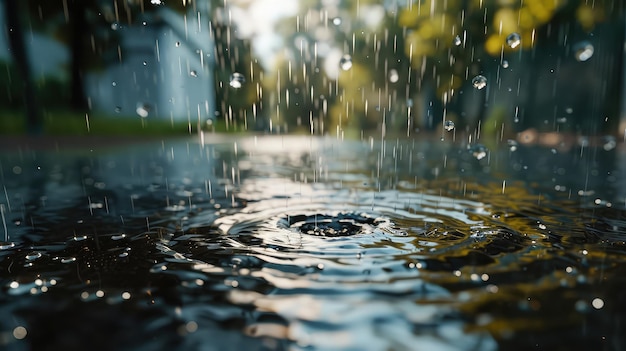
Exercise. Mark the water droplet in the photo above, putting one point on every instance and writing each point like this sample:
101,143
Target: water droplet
5,245
31,256
118,109
143,110
583,51
505,64
479,82
193,73
478,151
597,303
115,26
145,63
393,76
237,80
156,2
513,40
457,41
609,143
346,62
19,333
448,126
512,145
68,259
177,44
336,21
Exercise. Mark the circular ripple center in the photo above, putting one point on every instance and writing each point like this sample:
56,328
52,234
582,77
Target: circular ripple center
343,224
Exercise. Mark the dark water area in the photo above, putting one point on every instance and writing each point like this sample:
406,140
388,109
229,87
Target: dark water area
308,243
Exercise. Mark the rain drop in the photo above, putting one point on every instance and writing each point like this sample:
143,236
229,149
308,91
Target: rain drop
513,40
346,62
237,80
479,82
193,73
597,303
448,126
583,51
478,151
609,143
393,76
512,145
143,110
177,44
336,21
457,41
505,64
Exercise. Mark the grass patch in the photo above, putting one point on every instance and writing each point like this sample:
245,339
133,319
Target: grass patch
71,123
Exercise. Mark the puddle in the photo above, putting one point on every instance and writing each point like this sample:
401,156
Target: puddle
313,243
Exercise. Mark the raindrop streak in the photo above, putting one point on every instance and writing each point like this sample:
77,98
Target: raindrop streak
513,40
479,82
583,51
448,126
346,62
237,80
193,73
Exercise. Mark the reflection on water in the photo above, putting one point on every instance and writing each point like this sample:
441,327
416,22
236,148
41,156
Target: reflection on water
269,243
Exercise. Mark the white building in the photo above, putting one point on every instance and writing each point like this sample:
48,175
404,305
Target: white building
164,70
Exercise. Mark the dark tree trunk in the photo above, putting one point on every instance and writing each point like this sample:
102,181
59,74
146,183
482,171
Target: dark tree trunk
77,25
20,59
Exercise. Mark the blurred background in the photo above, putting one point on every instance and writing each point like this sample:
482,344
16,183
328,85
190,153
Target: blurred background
338,67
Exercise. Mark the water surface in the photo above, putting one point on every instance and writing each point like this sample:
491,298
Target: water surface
310,243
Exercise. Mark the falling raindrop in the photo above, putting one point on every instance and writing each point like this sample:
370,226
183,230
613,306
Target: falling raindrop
609,143
393,76
237,80
177,44
583,51
479,82
143,110
505,64
193,73
513,40
448,126
118,109
115,26
457,41
157,2
346,62
478,151
336,21
512,145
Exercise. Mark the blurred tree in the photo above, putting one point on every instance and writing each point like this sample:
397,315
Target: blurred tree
20,57
238,75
